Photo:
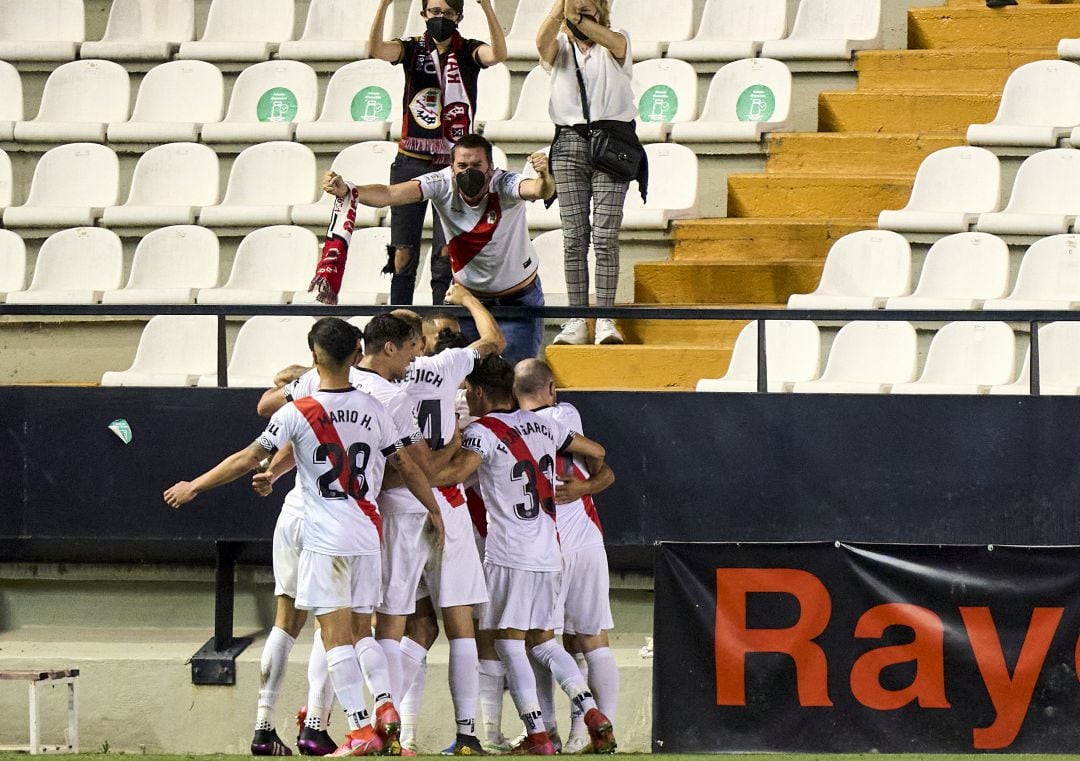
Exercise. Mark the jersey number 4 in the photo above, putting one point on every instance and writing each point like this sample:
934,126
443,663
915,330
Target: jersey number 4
525,470
356,459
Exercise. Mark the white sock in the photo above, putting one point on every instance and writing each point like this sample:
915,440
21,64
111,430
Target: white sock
577,716
320,691
464,683
545,693
372,660
275,659
348,681
492,677
412,701
392,650
519,675
566,673
413,658
604,680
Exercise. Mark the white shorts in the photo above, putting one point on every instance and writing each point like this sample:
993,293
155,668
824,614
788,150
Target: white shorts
326,583
455,576
520,599
583,596
405,550
287,546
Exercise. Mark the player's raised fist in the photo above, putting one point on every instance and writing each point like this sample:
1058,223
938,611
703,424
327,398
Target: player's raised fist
539,162
334,185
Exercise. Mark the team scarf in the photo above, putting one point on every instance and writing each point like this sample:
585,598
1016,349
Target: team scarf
335,250
437,108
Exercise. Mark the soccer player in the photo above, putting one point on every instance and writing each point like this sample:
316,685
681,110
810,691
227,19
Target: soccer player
434,325
342,440
513,453
583,595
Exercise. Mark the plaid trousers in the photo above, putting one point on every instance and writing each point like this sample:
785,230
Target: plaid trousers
578,186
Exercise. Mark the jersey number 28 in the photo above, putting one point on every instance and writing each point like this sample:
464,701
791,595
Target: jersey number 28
357,459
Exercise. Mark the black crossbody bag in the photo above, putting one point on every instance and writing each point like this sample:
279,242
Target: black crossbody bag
609,152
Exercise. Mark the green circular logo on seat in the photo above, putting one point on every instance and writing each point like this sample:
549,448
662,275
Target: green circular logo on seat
658,104
756,104
278,104
371,104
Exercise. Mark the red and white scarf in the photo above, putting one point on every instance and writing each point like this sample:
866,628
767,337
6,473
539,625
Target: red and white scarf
437,108
335,250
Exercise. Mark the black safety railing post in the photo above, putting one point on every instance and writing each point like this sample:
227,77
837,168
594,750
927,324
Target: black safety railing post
224,595
762,358
222,356
1033,361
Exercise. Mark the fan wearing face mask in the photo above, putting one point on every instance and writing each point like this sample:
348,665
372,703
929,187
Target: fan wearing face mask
439,103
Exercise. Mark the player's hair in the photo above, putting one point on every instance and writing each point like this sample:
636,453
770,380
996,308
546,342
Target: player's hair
457,6
433,317
531,376
333,339
410,317
386,327
473,140
495,376
450,339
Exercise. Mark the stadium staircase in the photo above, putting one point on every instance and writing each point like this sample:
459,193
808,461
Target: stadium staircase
818,187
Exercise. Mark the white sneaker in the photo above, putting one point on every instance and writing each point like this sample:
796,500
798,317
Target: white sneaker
577,743
575,332
607,333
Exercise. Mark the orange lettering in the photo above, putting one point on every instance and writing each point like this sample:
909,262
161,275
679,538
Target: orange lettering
927,650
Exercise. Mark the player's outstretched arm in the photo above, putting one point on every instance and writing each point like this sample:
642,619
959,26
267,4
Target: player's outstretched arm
420,487
374,195
283,462
231,468
491,340
592,451
571,488
462,465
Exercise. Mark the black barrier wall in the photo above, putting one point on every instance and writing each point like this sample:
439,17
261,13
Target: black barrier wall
700,467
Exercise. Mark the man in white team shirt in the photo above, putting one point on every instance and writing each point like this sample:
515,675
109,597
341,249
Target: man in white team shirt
483,215
583,596
513,453
342,440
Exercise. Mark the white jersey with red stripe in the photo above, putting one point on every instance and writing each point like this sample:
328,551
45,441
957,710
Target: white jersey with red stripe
516,478
341,440
489,244
579,523
431,385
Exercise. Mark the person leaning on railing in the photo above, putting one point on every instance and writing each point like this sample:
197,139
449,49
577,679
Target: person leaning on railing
576,38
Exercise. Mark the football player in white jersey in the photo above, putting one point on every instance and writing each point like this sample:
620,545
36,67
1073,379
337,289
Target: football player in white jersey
513,454
342,440
583,596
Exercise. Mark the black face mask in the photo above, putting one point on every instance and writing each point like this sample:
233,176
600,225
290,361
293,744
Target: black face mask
441,28
471,182
577,32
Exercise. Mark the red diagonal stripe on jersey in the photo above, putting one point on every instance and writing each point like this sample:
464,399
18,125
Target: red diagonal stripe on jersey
587,501
326,433
464,247
453,495
517,446
477,510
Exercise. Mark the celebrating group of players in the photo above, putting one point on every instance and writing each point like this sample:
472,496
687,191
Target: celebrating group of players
356,537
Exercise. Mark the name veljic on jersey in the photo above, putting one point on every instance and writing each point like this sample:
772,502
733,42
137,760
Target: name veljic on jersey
426,376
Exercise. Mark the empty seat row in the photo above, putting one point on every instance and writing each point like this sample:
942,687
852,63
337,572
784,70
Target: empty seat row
1040,105
882,357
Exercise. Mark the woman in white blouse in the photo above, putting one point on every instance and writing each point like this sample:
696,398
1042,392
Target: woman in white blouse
588,59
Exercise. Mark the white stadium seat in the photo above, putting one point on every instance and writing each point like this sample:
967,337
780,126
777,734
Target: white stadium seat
362,99
170,265
263,346
530,122
1040,104
1049,276
867,358
335,30
1069,49
521,39
862,270
266,181
267,101
829,30
144,30
540,216
745,100
242,30
174,350
673,189
952,188
1045,197
792,354
79,101
551,255
12,263
41,30
175,100
961,271
665,91
733,29
170,184
11,100
74,267
1059,363
652,25
473,26
7,184
361,164
966,358
493,94
271,264
72,184
363,281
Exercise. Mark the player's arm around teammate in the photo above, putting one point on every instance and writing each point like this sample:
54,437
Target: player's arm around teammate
491,340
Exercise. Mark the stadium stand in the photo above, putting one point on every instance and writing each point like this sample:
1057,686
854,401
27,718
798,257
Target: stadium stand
171,183
263,346
1049,277
41,30
1059,370
80,99
541,216
267,102
829,29
493,97
6,183
862,271
1040,105
175,100
364,281
666,93
1069,49
473,24
242,30
673,189
1045,196
335,30
966,358
74,267
170,265
12,263
273,265
745,100
866,358
651,25
521,39
792,355
266,181
530,121
360,103
732,29
361,164
174,350
11,100
961,271
549,249
144,30
72,185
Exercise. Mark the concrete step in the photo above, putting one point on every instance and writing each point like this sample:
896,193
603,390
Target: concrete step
711,333
816,196
854,152
904,111
760,240
972,26
978,70
656,368
725,283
